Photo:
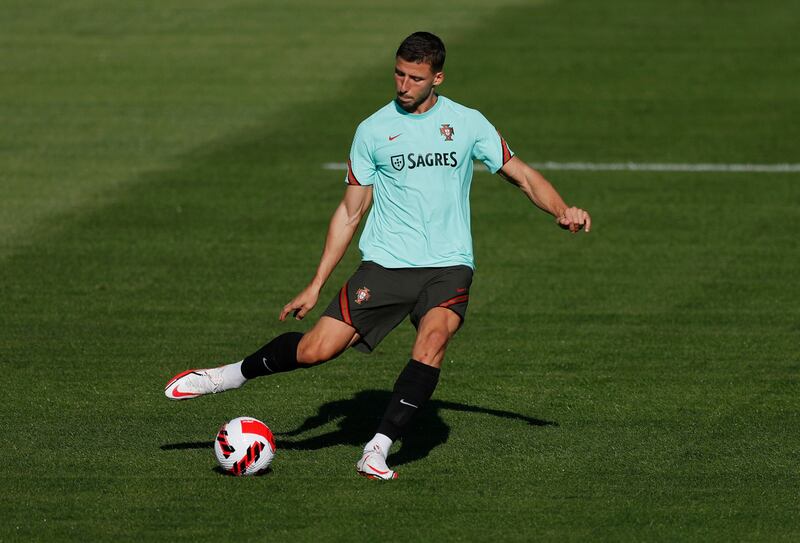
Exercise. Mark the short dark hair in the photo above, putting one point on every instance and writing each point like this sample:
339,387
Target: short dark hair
423,47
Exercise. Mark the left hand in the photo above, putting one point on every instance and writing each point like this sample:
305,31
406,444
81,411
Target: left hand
573,219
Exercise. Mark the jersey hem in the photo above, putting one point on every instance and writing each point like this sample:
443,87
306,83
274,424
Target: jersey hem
402,266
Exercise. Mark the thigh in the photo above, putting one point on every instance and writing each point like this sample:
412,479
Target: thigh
333,332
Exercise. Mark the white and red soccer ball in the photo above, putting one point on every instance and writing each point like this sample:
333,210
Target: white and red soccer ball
244,446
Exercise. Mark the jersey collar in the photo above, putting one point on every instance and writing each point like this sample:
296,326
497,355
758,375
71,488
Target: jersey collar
419,116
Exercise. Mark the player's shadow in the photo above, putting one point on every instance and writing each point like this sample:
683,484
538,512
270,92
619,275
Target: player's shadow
358,417
187,445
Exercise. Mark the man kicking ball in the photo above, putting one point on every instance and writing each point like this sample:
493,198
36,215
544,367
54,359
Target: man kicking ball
412,162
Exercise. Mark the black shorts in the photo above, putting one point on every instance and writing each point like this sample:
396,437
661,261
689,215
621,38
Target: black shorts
376,299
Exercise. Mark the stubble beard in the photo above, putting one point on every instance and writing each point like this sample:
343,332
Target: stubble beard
412,106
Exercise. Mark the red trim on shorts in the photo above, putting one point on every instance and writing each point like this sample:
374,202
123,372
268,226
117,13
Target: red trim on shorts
344,306
351,178
506,151
456,300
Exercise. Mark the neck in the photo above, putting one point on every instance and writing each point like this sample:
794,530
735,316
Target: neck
427,104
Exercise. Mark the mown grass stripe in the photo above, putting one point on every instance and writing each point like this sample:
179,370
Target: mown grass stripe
636,167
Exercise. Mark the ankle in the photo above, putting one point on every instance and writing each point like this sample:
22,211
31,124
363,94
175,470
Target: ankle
232,375
380,444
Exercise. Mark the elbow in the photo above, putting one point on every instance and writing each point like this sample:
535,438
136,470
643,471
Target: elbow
526,186
349,215
354,218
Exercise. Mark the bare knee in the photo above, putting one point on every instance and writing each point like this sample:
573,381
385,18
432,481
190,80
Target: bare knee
325,341
436,339
313,351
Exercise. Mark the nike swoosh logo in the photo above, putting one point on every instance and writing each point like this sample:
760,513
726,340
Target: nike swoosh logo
392,138
461,290
376,470
178,394
408,404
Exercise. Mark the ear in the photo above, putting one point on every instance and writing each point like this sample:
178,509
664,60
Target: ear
438,79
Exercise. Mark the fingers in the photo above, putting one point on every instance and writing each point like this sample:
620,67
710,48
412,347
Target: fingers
301,304
575,216
567,220
297,309
285,311
573,219
578,219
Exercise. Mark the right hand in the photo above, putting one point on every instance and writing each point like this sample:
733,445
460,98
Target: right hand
302,303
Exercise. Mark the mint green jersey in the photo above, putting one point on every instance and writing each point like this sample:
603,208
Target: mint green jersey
420,168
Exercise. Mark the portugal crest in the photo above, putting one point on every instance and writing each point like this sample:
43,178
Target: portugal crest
398,161
447,131
362,295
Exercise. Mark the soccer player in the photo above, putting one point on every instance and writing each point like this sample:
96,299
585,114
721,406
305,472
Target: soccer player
411,166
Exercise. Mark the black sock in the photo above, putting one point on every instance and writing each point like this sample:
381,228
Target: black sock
413,387
277,356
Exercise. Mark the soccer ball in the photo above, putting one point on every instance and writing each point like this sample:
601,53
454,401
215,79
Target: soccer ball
244,446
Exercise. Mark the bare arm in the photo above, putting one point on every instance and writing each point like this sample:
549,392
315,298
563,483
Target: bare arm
343,226
541,192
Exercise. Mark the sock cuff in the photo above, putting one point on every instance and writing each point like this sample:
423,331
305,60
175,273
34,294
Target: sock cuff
417,366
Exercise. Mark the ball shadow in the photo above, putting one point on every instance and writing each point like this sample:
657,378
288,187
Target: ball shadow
219,471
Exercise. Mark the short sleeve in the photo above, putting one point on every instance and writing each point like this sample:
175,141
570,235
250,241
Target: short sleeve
361,167
490,147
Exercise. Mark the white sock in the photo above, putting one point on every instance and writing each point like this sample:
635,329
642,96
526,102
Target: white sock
381,441
232,375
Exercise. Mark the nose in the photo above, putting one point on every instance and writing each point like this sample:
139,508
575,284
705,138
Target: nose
403,88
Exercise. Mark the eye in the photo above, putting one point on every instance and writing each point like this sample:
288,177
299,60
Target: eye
417,79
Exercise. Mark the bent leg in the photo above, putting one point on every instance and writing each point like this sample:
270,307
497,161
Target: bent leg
436,328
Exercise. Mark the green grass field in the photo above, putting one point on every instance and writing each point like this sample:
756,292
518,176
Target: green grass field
163,197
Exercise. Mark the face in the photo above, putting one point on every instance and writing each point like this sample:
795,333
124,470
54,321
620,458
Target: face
415,83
